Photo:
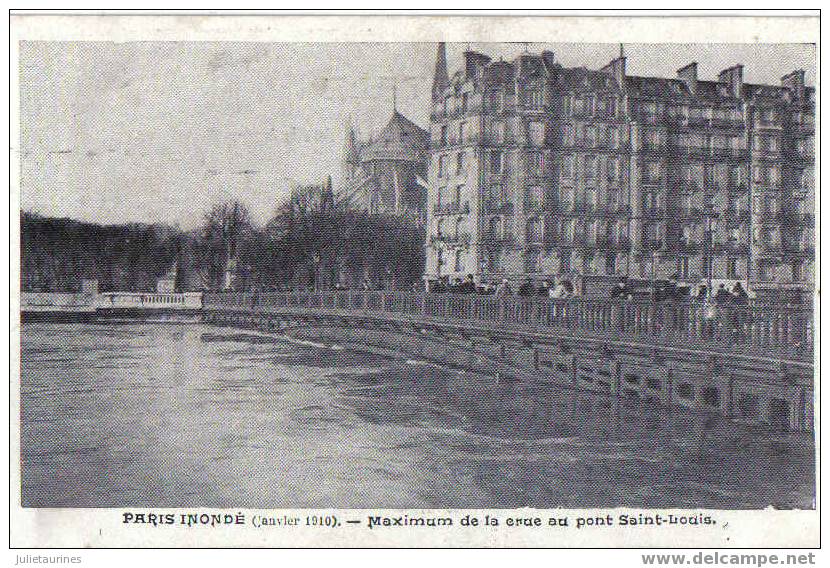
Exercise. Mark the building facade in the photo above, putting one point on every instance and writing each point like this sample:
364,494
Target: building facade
386,174
542,171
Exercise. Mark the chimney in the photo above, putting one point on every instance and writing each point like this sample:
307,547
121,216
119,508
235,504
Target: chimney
795,82
549,58
441,79
734,79
616,68
688,75
474,62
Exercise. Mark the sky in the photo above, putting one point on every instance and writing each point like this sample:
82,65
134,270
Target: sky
159,131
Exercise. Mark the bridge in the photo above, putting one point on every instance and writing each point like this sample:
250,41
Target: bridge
752,363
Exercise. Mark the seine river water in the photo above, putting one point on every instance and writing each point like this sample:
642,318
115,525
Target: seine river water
167,415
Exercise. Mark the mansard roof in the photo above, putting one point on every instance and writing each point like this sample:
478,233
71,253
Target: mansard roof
401,139
581,78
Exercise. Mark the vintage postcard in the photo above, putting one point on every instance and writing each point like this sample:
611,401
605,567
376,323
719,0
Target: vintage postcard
536,280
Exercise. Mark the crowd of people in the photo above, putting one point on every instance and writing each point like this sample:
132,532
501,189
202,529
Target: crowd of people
528,288
659,291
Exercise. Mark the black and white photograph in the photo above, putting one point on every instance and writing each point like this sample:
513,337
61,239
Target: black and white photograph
416,275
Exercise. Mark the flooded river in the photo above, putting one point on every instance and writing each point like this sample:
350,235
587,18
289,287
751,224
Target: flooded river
166,415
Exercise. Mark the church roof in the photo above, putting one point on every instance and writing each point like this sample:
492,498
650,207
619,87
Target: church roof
401,139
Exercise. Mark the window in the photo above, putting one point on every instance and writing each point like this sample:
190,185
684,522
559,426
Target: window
497,100
736,176
459,191
649,111
765,270
652,171
654,139
613,137
536,163
568,135
651,201
459,164
732,268
612,169
590,167
532,261
496,227
565,262
535,196
610,264
536,133
683,267
444,135
462,134
591,136
465,101
534,100
496,162
588,264
440,195
439,228
459,261
688,234
493,261
797,272
497,194
653,233
610,106
498,132
806,180
533,230
593,231
568,166
592,197
442,171
768,143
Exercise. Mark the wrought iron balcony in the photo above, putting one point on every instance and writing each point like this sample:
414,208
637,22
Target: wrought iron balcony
453,208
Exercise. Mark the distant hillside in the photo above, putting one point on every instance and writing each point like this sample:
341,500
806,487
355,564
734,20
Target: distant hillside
57,253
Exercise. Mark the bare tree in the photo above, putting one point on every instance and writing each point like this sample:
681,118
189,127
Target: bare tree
224,228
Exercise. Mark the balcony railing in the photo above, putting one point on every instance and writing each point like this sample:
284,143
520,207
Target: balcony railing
496,206
754,328
453,208
498,239
460,239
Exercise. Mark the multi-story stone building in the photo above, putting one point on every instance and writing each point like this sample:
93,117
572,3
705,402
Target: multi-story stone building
567,173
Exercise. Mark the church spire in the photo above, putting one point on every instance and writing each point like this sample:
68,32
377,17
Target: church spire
350,152
441,80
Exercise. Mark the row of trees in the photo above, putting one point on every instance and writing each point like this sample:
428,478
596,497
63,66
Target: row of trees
297,248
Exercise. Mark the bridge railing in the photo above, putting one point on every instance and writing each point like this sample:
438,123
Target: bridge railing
762,328
181,300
